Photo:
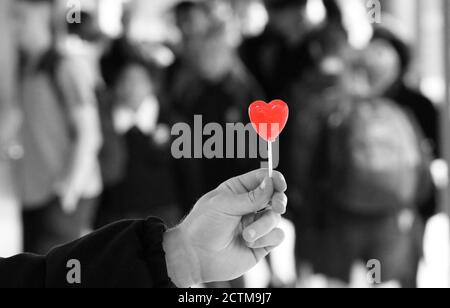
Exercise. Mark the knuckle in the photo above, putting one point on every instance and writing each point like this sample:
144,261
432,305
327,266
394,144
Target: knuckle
252,197
284,199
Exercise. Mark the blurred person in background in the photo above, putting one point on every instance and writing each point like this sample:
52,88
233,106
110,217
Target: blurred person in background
388,75
362,168
59,178
83,45
269,56
212,81
385,42
123,46
282,53
431,243
137,165
191,18
82,48
319,77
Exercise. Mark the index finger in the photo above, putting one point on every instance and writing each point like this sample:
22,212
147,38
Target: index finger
250,181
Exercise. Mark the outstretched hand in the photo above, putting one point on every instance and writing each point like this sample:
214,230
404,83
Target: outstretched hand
229,230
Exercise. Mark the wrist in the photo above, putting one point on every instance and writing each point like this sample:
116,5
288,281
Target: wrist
182,264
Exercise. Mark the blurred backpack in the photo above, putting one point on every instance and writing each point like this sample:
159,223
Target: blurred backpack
377,158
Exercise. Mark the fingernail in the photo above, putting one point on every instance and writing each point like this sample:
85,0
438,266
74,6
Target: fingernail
263,184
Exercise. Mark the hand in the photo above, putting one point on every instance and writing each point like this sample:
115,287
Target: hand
225,235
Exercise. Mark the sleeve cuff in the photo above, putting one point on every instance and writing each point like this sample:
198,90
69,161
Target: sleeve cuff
155,256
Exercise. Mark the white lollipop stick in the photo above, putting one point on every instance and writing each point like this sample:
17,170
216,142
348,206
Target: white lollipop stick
270,152
270,158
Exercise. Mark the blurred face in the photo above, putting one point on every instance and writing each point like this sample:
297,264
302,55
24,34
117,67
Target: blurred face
133,86
213,57
192,22
290,21
33,26
383,64
332,51
375,71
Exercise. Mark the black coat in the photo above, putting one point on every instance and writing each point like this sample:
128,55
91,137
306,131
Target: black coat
125,254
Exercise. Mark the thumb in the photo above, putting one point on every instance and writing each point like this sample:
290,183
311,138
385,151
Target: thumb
254,200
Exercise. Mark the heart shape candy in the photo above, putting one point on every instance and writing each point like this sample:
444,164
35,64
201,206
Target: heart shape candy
269,120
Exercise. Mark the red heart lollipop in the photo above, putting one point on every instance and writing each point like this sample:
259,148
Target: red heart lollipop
269,120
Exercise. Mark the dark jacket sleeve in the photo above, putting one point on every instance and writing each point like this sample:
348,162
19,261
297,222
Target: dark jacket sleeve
125,254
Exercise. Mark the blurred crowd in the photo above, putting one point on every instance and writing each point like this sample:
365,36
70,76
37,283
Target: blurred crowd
94,141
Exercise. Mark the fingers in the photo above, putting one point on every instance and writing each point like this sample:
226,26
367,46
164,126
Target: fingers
259,198
244,183
253,192
261,227
250,181
264,245
248,202
261,253
279,182
279,203
273,239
